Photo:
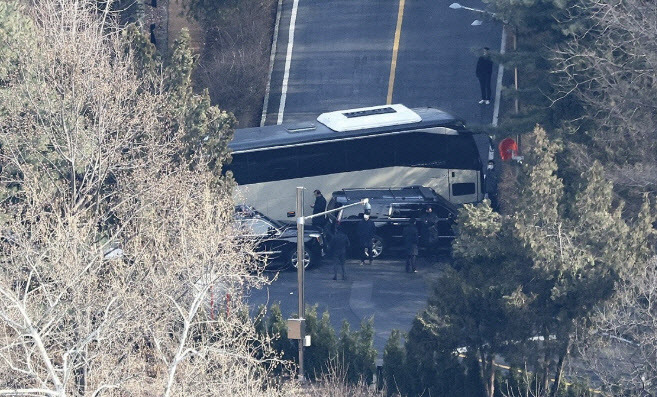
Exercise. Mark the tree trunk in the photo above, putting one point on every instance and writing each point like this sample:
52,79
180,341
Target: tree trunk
487,372
559,370
491,376
546,362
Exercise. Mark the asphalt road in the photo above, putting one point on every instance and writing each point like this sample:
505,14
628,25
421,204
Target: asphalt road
342,53
383,291
341,57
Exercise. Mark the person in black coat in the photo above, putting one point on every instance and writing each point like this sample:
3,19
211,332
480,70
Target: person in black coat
365,233
490,184
319,206
339,245
411,239
484,73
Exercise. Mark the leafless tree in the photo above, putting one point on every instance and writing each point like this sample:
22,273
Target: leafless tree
113,253
620,348
612,67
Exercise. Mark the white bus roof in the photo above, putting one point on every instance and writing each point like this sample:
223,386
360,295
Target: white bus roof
370,117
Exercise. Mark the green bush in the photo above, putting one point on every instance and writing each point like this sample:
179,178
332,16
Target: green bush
322,348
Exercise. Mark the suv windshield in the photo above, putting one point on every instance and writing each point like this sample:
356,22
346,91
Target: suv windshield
256,221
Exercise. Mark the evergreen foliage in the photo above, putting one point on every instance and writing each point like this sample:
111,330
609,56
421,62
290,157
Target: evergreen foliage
15,31
322,349
539,27
207,129
277,328
356,352
539,272
394,364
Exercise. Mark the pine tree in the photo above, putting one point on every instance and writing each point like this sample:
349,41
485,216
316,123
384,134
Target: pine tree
277,328
322,348
206,129
394,374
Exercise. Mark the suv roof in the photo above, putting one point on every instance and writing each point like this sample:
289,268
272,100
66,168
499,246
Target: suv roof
403,194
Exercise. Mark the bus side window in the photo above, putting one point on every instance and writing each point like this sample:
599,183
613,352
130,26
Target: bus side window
321,159
367,154
239,168
272,165
431,152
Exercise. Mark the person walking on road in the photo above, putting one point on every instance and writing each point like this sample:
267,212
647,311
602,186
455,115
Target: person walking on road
365,232
484,74
319,206
411,239
339,245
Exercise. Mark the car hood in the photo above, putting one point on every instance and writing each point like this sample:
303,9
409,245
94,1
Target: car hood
291,231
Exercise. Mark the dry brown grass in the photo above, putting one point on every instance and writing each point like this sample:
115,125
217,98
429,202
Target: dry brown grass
234,64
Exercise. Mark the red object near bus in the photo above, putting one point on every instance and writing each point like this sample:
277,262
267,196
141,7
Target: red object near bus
508,149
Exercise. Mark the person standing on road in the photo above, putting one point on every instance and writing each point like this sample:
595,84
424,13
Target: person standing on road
319,206
484,74
411,239
365,232
428,227
490,182
339,245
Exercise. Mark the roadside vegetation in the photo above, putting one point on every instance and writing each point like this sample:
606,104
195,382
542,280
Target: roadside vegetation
115,228
234,62
116,249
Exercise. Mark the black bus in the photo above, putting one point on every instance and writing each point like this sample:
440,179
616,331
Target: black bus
389,145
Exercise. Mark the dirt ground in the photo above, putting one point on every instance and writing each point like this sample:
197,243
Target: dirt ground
177,21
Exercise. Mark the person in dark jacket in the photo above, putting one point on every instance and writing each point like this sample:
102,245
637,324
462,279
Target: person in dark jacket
427,228
365,233
319,206
411,240
339,245
484,73
490,183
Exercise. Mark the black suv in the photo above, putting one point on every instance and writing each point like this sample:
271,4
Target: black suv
276,242
391,210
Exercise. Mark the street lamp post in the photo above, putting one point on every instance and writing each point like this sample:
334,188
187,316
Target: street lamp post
476,22
297,327
301,274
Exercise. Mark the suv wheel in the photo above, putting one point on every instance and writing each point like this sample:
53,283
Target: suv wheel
377,246
292,259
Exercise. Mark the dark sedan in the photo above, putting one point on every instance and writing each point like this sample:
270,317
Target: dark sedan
276,242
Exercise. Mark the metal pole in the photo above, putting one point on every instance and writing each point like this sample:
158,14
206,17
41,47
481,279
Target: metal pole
300,274
515,69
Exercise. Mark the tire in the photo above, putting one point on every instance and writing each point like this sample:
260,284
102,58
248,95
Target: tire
378,247
292,259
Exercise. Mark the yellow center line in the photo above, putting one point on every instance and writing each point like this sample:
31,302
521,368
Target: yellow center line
395,51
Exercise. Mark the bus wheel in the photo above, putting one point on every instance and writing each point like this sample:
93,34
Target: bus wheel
292,260
377,246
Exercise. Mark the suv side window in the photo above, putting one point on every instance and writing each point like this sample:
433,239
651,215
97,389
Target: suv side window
404,211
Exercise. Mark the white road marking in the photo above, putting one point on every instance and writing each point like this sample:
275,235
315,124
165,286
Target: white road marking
500,73
272,57
288,61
